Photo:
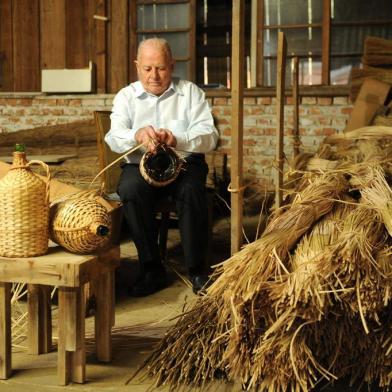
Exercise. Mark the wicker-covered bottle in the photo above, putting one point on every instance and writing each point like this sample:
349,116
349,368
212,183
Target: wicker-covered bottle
79,223
24,210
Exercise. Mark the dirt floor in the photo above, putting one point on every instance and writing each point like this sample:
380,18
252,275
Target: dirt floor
139,325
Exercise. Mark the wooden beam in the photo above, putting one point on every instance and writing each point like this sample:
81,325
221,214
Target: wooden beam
296,141
119,41
132,40
260,43
253,44
237,114
76,32
280,86
6,47
326,43
192,41
99,43
5,330
52,34
26,54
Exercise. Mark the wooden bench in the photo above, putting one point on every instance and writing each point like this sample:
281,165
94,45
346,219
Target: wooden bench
69,272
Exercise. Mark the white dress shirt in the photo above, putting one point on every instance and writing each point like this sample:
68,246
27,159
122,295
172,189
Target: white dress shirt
182,109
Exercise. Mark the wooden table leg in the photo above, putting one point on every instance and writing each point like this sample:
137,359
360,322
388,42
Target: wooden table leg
5,330
71,344
39,319
104,316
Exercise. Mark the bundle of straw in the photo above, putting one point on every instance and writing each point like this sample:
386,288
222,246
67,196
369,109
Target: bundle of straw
319,279
229,321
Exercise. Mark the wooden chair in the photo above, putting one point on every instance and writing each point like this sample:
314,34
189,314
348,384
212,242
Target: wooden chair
166,209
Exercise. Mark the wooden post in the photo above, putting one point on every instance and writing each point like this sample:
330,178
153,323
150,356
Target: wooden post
71,348
280,87
237,92
99,31
103,317
326,36
39,319
5,330
119,41
296,139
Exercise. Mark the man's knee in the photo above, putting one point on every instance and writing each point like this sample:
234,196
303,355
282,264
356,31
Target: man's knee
132,187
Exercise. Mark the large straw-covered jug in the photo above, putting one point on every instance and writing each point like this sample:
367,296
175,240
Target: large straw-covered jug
80,223
24,209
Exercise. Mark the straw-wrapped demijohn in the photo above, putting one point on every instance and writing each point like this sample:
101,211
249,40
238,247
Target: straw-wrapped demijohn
80,224
24,209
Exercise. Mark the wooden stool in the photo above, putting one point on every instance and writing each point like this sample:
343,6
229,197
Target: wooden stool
69,272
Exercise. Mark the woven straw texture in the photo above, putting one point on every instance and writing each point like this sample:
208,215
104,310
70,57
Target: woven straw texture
80,224
24,210
161,167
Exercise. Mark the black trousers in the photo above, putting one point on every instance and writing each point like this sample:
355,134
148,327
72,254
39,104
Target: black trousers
189,193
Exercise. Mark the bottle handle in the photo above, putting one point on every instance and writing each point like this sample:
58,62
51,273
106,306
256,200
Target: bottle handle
47,179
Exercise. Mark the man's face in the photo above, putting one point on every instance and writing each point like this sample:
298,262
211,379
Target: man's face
154,69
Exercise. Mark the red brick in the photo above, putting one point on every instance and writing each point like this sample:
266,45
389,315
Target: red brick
346,110
75,102
314,110
18,101
264,100
253,111
222,121
47,102
289,101
324,101
263,120
249,101
249,142
220,101
308,100
340,100
226,131
62,102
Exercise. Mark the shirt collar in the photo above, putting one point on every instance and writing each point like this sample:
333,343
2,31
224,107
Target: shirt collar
174,86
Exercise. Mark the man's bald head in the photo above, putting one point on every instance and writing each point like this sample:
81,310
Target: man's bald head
157,43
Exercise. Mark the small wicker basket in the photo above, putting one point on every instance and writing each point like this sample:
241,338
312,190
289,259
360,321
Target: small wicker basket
160,168
24,209
80,223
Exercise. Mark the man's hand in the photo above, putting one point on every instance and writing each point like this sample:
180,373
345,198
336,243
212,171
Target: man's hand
147,135
152,137
166,136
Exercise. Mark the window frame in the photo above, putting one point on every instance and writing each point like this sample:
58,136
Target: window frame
326,25
191,30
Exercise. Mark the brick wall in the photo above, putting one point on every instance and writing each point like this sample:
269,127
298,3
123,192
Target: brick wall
319,117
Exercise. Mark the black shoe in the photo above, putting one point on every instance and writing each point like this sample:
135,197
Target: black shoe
200,283
149,284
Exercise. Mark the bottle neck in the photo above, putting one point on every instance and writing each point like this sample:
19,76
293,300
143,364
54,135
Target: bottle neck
19,159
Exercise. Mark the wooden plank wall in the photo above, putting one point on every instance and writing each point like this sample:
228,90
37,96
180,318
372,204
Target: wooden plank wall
77,33
26,46
52,34
118,42
6,52
55,34
19,45
98,42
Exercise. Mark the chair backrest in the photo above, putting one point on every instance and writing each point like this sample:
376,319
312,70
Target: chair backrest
105,154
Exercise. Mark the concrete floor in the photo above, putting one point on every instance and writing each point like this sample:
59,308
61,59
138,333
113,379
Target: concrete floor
139,324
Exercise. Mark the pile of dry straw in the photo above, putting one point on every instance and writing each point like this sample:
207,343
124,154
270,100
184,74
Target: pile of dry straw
311,299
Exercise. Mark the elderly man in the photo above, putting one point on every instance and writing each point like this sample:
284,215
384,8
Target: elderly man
164,109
